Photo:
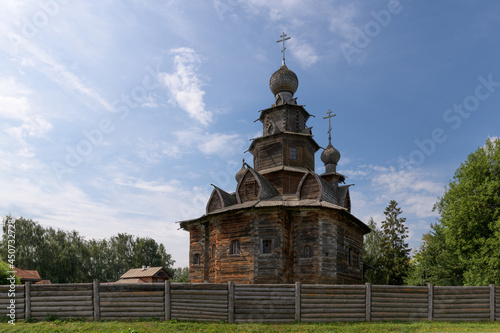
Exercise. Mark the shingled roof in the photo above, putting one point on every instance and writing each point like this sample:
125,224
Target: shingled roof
145,272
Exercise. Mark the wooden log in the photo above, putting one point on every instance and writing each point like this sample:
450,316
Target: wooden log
130,316
265,294
467,316
210,297
333,308
196,314
62,298
41,304
132,299
492,302
230,302
27,301
332,301
60,308
306,316
168,301
333,286
398,315
72,314
131,287
269,311
96,300
132,294
418,306
430,301
422,300
197,306
396,295
451,302
333,297
197,286
199,292
264,299
62,287
35,294
368,300
461,310
200,301
393,310
133,309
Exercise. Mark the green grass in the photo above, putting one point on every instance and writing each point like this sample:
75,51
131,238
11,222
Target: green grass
175,326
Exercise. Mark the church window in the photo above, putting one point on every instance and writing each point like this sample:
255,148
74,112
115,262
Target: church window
308,251
267,246
293,153
234,247
196,259
350,257
213,251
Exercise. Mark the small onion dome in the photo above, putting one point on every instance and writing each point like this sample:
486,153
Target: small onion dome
239,175
330,157
283,79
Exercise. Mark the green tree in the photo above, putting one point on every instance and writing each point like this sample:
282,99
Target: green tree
395,259
5,273
66,257
181,274
372,255
470,218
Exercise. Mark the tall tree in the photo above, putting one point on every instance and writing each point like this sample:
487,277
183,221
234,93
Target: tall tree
469,226
372,255
395,259
66,257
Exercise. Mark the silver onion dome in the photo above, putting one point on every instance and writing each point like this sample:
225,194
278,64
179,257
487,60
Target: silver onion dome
284,80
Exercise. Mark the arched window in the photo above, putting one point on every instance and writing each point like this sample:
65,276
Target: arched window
196,259
293,153
234,247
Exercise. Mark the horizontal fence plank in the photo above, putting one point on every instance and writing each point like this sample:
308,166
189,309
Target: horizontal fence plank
131,287
132,294
61,293
61,298
61,287
132,299
196,286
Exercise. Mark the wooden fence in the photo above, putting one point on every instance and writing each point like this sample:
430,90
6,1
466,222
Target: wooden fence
243,303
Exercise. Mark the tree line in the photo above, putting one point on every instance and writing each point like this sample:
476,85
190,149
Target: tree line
67,257
463,246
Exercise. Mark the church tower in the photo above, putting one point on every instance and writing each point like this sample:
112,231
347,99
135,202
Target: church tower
284,223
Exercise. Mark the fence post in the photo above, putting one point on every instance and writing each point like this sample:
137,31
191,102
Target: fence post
230,302
430,301
96,299
492,302
368,310
27,301
168,305
297,300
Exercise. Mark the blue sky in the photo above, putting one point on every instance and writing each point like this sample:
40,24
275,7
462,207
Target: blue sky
117,116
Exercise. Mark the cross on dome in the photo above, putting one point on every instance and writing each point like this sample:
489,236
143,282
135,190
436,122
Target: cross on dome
329,125
282,40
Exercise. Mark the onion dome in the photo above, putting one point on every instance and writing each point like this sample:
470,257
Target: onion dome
330,157
240,174
283,80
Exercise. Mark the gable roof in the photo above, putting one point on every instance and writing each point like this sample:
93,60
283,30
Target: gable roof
27,275
148,272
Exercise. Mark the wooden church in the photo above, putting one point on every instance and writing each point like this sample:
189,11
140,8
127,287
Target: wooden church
284,223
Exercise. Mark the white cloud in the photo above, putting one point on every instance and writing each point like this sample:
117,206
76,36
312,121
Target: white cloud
185,85
303,52
342,21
